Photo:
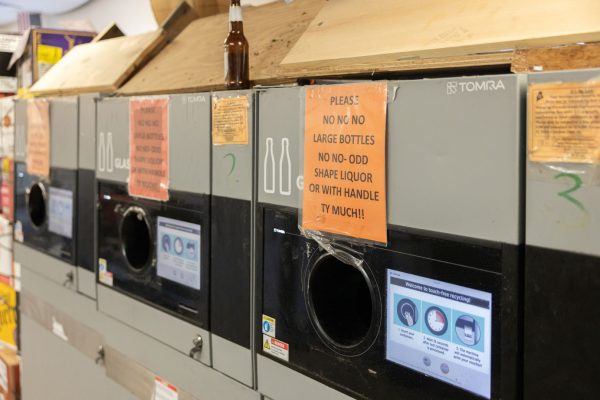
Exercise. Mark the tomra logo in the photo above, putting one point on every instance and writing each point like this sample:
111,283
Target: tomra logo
454,87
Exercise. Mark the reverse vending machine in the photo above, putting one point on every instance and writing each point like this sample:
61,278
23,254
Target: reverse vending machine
153,172
562,270
46,170
434,312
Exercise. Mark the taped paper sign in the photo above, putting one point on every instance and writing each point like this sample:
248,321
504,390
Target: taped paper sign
149,148
38,137
163,390
344,161
230,120
564,122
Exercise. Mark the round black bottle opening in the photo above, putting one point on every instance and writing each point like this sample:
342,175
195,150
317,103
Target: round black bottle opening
341,299
136,238
36,204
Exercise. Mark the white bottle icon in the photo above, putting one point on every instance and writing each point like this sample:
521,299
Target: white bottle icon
269,181
110,159
285,168
101,153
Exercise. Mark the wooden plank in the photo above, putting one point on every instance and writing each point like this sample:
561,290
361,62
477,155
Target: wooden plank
350,35
204,8
98,67
194,60
110,32
575,56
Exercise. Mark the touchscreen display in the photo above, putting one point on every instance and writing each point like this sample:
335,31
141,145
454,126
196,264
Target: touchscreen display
178,252
440,329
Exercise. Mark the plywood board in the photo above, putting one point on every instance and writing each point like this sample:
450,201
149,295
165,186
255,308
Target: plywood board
576,56
98,67
355,35
194,59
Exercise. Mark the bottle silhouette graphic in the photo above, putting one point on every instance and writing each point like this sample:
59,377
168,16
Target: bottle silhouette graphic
269,167
285,168
110,160
101,153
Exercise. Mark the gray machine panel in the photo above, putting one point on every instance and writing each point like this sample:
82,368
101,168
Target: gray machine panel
464,134
86,282
232,163
20,130
281,383
87,131
54,370
64,127
232,359
112,139
163,327
52,268
280,134
133,347
552,221
189,143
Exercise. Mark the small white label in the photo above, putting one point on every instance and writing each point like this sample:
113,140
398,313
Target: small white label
163,390
3,376
19,231
59,330
103,275
276,348
268,325
235,14
60,218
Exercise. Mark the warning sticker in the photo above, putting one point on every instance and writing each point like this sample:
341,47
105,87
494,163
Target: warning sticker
163,390
103,275
230,120
149,148
276,348
564,122
60,218
268,325
344,160
38,137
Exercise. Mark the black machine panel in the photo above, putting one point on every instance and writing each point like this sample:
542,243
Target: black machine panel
230,261
45,211
338,322
157,252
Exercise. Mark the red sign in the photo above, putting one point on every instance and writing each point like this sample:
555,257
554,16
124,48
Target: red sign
149,148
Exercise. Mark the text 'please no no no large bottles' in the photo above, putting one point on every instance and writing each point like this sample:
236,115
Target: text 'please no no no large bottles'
344,161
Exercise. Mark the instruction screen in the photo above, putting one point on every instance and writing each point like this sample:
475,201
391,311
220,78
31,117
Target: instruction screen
440,329
178,252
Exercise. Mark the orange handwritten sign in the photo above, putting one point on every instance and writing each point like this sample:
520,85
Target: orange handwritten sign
149,148
38,137
344,161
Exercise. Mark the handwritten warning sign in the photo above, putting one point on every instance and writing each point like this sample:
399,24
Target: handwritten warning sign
38,137
344,160
230,120
149,148
564,122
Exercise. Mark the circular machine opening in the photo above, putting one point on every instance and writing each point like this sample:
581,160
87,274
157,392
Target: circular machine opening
341,300
36,204
136,238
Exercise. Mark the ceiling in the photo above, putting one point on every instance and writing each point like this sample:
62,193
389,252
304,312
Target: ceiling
10,8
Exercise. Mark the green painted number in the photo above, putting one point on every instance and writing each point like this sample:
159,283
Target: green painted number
567,193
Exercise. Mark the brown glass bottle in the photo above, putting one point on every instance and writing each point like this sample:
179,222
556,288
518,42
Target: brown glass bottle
237,70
